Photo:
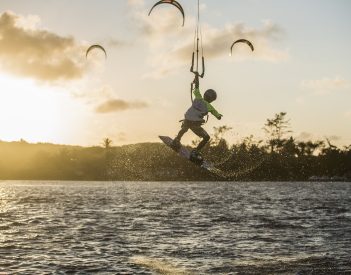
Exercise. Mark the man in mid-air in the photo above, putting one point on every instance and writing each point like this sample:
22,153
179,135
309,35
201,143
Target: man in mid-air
194,119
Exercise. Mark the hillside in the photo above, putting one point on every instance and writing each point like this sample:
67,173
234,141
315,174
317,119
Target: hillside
156,162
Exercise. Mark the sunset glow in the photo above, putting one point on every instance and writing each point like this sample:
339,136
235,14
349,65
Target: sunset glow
50,91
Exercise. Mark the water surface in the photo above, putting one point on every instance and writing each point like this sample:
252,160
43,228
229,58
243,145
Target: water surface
175,228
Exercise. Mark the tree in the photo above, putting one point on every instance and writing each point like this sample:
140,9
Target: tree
309,148
219,132
107,143
276,128
108,157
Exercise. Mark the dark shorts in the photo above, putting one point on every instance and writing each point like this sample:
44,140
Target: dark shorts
196,127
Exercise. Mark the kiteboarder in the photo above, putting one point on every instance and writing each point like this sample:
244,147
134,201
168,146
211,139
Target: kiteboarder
194,118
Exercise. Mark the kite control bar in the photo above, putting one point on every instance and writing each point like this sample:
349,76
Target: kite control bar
197,44
197,61
197,74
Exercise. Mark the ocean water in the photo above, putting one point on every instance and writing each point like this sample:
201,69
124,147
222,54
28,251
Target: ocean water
175,228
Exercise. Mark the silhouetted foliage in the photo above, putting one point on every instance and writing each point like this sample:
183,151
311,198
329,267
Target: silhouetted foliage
280,158
276,129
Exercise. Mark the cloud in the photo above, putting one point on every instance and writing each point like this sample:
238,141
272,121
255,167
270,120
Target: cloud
306,136
109,102
118,105
121,136
171,45
217,42
28,51
160,23
116,43
136,3
326,85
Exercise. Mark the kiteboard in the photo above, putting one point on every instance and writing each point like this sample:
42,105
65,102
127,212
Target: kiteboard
185,153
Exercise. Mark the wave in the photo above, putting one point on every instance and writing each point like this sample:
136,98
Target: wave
161,267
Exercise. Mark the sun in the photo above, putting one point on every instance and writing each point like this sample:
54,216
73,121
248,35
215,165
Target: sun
30,111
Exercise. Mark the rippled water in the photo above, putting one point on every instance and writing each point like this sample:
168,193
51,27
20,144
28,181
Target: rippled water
175,228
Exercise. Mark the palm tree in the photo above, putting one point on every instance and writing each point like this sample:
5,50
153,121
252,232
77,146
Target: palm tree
107,143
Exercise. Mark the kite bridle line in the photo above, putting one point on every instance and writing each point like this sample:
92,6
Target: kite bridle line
197,44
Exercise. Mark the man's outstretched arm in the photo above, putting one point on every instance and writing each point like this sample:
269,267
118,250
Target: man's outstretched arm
213,111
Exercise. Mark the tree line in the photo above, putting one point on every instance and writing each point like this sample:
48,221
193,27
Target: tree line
278,158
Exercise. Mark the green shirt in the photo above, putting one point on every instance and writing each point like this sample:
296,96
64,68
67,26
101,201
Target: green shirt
210,108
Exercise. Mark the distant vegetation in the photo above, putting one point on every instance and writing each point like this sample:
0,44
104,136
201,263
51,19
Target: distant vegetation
280,157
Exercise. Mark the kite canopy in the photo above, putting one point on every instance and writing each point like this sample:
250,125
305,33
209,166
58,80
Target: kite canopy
95,47
242,41
172,2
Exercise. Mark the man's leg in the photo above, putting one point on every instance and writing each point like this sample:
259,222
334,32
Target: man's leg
183,130
176,142
199,131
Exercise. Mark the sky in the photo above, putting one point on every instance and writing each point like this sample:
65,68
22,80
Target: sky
50,91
